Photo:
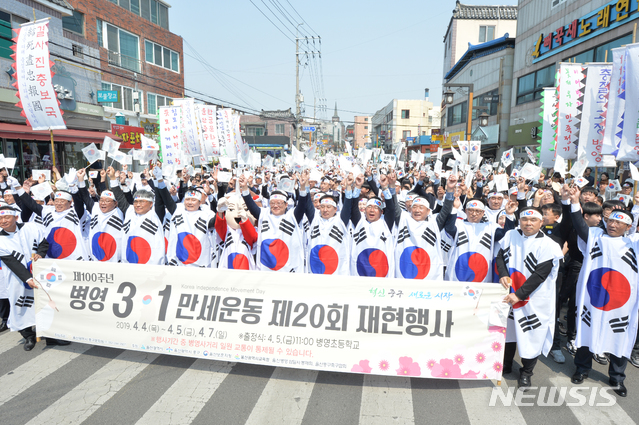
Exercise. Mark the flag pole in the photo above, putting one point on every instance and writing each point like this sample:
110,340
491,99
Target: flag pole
52,153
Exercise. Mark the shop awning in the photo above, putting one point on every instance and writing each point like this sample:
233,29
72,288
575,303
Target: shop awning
17,131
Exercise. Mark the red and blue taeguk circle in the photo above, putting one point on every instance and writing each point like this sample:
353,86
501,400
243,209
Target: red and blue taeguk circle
103,246
518,280
138,250
274,253
62,243
188,248
237,261
471,267
323,259
414,263
608,289
372,262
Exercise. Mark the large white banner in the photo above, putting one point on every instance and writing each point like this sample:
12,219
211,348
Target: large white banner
190,134
431,329
207,117
170,119
629,144
38,99
569,90
616,101
593,119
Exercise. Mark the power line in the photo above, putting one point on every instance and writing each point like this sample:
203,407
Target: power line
306,23
278,28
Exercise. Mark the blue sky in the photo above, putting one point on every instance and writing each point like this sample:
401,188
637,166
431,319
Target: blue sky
372,52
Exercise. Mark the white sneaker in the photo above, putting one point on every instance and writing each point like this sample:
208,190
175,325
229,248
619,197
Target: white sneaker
557,356
571,347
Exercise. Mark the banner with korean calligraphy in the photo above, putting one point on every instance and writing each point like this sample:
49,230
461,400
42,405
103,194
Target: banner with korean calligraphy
548,133
131,136
593,118
190,133
629,144
225,132
417,328
616,102
569,91
207,118
38,100
170,120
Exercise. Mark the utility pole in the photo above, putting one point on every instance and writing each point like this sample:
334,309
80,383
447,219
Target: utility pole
298,112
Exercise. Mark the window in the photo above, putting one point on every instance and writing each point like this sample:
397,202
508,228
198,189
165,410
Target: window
458,113
100,26
254,131
154,101
161,56
125,100
365,127
123,47
7,22
74,23
405,113
151,10
529,87
77,50
365,119
600,53
489,100
486,33
279,128
405,134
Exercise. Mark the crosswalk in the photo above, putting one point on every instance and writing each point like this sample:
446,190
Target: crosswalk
85,384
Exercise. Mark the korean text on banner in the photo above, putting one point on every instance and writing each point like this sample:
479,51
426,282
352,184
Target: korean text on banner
38,99
569,89
547,152
207,116
190,133
593,119
629,144
170,137
616,101
385,327
225,132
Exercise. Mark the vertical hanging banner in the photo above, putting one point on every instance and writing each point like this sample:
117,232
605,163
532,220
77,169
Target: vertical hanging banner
207,118
593,120
242,146
38,100
190,134
569,88
170,135
616,102
547,151
629,144
225,131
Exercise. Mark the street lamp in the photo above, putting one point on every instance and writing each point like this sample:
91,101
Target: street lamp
483,119
449,100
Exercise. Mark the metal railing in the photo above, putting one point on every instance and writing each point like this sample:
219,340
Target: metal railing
123,61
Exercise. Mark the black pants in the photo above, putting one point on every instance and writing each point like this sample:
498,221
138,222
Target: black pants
527,364
616,368
556,342
569,292
28,332
5,307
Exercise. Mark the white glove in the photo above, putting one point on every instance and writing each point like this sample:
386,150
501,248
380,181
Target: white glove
13,182
222,205
157,173
243,215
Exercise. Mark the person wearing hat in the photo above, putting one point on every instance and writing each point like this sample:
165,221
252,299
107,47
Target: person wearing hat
106,227
473,241
143,235
61,221
280,245
20,244
606,297
372,252
528,264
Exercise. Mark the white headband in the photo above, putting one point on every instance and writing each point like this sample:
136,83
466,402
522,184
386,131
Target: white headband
620,216
490,195
63,195
107,194
317,196
375,203
194,194
328,201
278,197
476,204
9,212
410,198
421,201
531,214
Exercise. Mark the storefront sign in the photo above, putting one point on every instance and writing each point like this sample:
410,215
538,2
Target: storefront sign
417,328
108,96
453,138
601,20
130,135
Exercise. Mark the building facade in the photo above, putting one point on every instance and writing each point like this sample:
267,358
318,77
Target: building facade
472,24
401,120
270,132
489,68
361,131
551,32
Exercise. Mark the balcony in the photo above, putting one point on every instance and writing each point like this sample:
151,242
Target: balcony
123,61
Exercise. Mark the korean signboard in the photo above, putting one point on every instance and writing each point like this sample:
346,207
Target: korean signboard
130,135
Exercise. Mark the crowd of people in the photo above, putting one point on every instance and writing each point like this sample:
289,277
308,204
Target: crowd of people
551,242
